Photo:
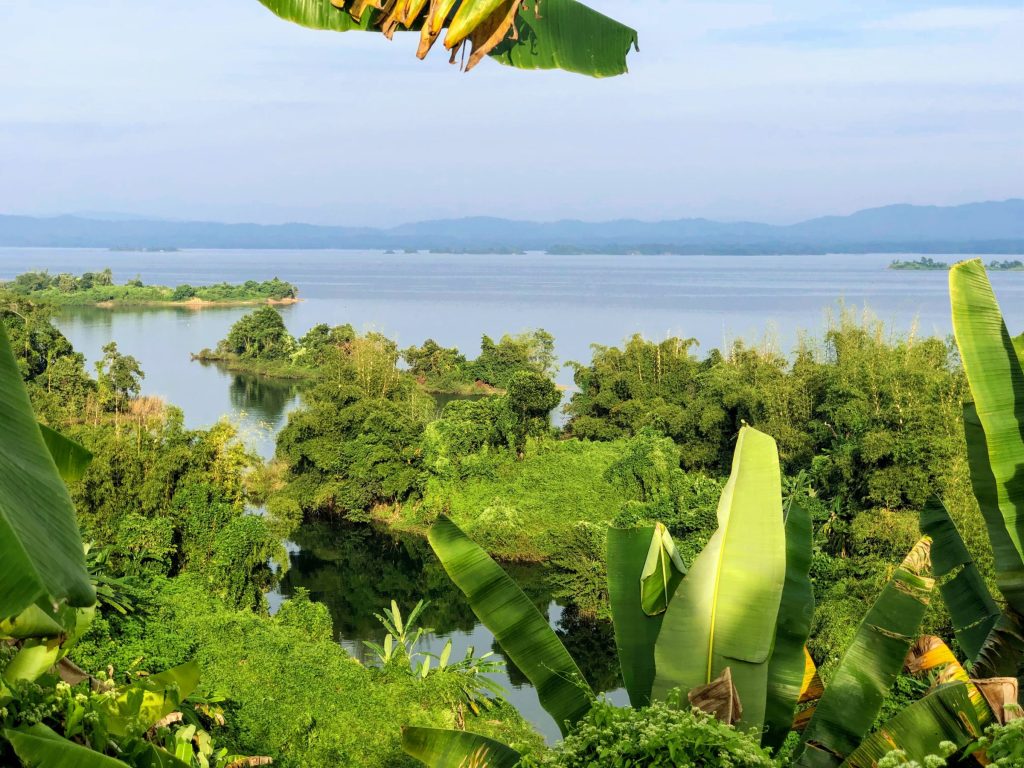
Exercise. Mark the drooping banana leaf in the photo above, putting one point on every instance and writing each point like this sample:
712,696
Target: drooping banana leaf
440,748
945,714
725,610
41,555
40,747
1009,565
520,629
997,384
146,701
663,569
629,551
37,655
71,458
787,667
971,607
870,665
35,621
550,34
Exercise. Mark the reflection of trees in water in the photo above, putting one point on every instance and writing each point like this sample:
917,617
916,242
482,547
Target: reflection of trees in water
263,397
356,570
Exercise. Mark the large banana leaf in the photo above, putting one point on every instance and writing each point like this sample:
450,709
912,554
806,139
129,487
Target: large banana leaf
724,613
997,383
629,550
520,629
788,664
440,748
37,655
870,665
945,714
554,34
971,607
40,747
1009,565
70,458
41,555
146,701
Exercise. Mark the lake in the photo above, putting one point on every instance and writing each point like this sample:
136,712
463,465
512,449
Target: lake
455,299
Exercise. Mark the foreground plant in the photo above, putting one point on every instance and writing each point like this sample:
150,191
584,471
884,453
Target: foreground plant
527,34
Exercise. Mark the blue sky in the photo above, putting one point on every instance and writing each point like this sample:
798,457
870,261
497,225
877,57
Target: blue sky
774,111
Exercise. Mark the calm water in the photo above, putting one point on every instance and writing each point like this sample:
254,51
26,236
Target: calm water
455,299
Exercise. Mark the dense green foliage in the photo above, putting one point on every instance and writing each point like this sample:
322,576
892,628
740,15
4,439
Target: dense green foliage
99,288
664,735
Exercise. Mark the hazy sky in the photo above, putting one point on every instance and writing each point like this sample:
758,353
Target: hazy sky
216,109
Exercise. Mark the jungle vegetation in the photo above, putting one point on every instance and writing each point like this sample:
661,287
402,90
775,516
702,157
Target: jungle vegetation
790,493
98,288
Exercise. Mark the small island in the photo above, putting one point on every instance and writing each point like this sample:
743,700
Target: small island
928,264
97,289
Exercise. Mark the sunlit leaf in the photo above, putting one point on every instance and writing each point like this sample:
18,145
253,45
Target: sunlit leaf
40,747
440,748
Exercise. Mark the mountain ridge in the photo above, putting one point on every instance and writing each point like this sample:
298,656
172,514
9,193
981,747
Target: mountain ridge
987,227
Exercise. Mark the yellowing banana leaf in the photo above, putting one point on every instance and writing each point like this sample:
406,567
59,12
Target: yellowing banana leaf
440,748
786,670
36,656
971,607
549,34
1009,565
34,621
71,458
945,714
41,555
520,629
725,610
629,554
870,665
146,701
997,384
40,747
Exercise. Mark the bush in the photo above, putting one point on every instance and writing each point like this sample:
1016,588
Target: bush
660,736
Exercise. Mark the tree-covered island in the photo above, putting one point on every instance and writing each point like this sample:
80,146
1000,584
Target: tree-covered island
99,289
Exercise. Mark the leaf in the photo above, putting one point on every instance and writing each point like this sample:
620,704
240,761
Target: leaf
440,748
787,667
565,34
870,665
40,747
146,701
997,384
719,698
971,607
520,629
71,458
1009,566
317,14
725,611
663,570
635,631
41,554
946,714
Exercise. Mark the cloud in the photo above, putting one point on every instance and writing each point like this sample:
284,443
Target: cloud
951,20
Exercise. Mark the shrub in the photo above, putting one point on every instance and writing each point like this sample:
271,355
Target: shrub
660,736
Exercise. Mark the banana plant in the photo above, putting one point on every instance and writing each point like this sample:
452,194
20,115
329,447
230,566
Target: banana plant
526,34
725,611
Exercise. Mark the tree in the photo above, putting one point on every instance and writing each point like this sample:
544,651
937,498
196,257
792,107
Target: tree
120,377
529,401
260,335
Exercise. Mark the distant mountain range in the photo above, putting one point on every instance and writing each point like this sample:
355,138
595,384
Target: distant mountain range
989,227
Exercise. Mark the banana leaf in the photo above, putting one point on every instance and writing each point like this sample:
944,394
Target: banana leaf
71,458
971,607
557,34
786,670
945,714
629,550
725,611
523,633
870,665
997,384
40,747
440,748
38,655
1009,565
146,701
41,555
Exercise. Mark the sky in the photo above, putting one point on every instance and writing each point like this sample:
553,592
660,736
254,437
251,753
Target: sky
768,111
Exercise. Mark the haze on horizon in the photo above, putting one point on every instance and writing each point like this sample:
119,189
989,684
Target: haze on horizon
769,111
